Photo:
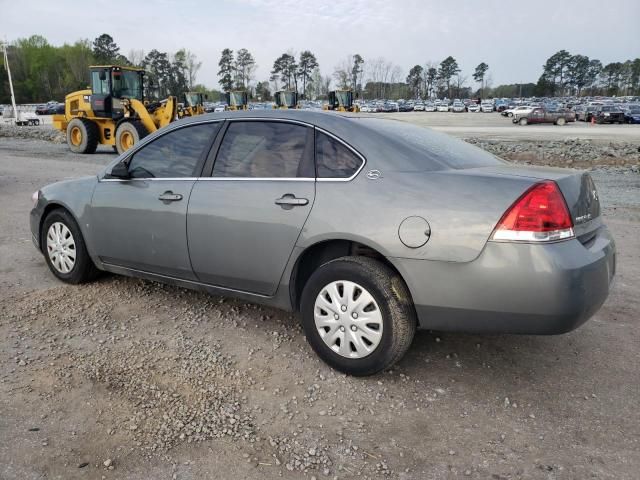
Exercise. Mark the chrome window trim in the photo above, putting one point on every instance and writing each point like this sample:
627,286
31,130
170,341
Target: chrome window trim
150,179
256,179
358,154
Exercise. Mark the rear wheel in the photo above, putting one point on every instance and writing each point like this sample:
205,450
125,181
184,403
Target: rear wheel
523,121
129,134
561,121
64,248
358,315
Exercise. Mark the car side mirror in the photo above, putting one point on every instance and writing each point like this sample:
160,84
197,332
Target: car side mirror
120,170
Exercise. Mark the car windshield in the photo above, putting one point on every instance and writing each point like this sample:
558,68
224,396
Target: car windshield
610,109
342,98
634,110
193,99
126,83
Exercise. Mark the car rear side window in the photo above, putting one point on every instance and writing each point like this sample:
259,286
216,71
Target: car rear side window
334,159
257,149
173,155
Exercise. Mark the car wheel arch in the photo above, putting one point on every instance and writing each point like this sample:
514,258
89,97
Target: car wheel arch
322,252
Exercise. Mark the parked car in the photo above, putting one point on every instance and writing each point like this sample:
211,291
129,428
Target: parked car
42,109
542,115
632,115
442,107
473,107
429,107
405,107
585,114
177,208
419,107
458,107
609,114
486,107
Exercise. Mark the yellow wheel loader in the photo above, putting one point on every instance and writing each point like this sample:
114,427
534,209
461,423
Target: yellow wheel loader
193,104
113,112
341,101
236,100
286,100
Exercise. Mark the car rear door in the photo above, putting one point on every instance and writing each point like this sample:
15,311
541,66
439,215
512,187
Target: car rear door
140,223
243,220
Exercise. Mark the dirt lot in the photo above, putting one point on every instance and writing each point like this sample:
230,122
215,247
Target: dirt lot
130,379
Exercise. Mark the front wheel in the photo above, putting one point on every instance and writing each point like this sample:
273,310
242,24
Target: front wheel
128,134
561,121
358,315
64,249
523,121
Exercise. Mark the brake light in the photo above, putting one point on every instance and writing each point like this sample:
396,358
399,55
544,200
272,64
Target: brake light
539,215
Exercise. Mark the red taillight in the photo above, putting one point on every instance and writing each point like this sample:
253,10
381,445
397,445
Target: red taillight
539,215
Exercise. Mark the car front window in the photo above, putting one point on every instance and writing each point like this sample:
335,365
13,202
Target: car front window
173,155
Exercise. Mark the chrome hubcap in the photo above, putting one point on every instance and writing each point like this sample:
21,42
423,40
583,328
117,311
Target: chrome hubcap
61,247
348,319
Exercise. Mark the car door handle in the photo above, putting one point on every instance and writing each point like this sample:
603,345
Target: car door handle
169,196
289,200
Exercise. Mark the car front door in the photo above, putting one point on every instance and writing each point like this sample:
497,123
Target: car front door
244,220
140,222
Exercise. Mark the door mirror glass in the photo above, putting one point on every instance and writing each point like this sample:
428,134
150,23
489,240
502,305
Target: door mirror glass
120,170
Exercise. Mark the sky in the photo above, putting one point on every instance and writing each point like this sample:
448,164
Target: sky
515,38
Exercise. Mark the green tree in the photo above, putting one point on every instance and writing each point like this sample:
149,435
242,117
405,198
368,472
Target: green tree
105,50
448,69
227,70
611,74
263,92
306,65
414,80
286,67
356,71
159,70
430,78
555,71
578,72
479,74
593,73
244,67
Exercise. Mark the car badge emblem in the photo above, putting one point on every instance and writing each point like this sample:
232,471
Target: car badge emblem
374,174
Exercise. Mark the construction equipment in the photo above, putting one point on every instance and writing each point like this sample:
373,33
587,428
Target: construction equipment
341,101
113,112
18,117
193,104
236,100
286,99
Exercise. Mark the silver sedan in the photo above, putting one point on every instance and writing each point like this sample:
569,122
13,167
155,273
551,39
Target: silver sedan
370,228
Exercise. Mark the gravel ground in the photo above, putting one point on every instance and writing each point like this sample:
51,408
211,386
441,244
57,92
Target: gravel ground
125,378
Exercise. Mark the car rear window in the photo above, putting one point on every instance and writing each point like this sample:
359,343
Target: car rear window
431,150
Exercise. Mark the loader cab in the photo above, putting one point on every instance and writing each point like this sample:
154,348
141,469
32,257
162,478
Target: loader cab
236,100
194,99
110,84
286,99
340,99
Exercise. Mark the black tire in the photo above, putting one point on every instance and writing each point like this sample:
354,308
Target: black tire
394,302
134,130
82,135
523,121
83,269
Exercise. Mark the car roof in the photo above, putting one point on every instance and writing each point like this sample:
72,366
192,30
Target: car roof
386,144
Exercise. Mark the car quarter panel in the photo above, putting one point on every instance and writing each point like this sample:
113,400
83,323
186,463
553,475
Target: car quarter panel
462,211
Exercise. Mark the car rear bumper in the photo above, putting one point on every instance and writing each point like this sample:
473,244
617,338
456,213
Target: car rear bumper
514,288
